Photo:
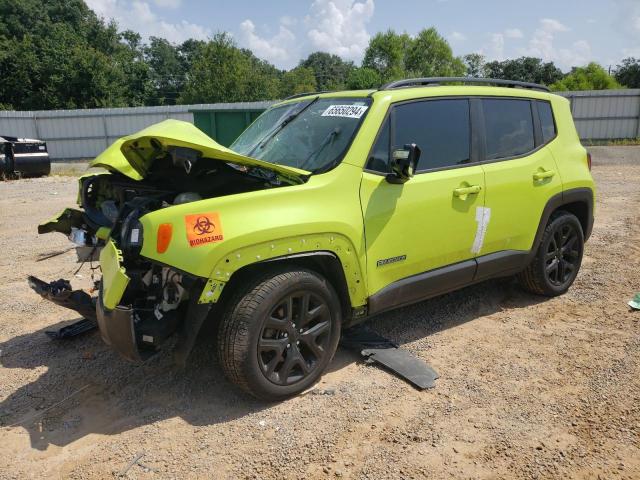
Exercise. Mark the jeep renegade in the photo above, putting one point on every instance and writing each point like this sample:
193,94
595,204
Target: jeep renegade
328,209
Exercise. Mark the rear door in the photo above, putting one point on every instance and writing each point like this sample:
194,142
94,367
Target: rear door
430,221
520,175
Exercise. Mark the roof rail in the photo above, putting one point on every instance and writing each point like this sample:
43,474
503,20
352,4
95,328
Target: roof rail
435,81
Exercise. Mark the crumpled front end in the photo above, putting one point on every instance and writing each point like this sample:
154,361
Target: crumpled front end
144,299
139,308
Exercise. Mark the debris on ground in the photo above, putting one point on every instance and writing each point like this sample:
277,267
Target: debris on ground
635,302
134,461
377,349
61,293
73,330
323,391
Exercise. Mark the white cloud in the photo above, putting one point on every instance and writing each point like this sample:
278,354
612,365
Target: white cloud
513,33
542,44
278,49
340,26
288,21
138,16
627,21
553,25
495,51
628,17
168,3
457,37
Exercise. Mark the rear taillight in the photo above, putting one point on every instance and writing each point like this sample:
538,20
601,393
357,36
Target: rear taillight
165,231
589,160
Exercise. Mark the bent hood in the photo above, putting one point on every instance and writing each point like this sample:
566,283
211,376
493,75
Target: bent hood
133,155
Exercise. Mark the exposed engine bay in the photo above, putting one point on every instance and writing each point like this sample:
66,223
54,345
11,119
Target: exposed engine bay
157,297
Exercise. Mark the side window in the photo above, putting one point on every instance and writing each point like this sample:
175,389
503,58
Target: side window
547,124
441,128
379,159
508,127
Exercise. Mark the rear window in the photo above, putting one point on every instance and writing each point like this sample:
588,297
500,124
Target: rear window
547,124
508,127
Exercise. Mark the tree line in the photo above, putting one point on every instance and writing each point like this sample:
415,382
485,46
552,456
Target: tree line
59,54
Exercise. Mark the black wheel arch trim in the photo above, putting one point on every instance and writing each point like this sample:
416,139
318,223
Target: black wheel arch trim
323,262
574,196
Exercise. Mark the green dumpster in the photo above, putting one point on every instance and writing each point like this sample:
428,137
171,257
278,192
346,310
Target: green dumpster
224,125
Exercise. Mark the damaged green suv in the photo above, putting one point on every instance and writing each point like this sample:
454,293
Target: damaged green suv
328,209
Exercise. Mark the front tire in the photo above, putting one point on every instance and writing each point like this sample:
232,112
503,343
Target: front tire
278,335
558,258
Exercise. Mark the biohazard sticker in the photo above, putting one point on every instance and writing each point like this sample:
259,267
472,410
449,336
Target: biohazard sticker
348,111
203,228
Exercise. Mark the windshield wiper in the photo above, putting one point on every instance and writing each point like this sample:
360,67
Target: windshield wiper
327,140
261,145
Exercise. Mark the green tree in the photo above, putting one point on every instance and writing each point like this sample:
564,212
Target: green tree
524,69
298,80
429,55
58,54
331,71
590,77
363,78
130,56
628,74
166,71
475,65
395,56
386,54
224,73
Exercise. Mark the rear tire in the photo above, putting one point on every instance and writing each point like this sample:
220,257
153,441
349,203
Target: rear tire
278,335
558,258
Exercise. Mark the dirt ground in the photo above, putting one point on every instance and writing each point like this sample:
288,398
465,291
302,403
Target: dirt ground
529,387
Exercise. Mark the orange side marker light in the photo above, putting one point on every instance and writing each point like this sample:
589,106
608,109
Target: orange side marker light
165,231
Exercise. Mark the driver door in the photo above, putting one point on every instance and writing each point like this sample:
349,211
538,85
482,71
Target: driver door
420,235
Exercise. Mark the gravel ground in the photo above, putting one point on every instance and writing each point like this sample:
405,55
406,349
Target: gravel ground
529,388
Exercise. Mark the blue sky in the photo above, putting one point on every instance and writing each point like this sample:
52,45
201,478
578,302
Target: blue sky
568,32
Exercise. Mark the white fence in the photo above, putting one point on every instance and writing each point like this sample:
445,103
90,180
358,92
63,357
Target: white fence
606,114
81,134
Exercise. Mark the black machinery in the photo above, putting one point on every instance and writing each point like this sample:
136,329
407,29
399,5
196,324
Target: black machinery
23,157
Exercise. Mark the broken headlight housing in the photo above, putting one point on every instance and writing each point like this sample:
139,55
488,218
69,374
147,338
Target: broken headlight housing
131,233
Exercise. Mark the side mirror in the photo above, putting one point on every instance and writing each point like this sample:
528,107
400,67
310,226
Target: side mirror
403,163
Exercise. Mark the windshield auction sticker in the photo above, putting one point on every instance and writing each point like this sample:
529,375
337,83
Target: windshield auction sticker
347,111
203,228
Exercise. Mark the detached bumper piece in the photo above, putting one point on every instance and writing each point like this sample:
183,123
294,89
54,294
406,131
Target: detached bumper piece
117,330
72,330
377,349
60,293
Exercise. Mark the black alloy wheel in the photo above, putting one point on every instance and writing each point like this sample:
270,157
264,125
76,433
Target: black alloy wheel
563,255
557,258
295,338
279,331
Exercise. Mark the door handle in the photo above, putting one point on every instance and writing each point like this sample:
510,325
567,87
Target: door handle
462,192
542,174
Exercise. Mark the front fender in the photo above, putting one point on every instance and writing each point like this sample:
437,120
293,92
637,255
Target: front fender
334,243
226,233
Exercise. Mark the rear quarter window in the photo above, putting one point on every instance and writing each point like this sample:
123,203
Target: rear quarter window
508,127
547,124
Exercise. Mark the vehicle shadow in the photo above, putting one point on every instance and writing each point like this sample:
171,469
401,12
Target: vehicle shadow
81,387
